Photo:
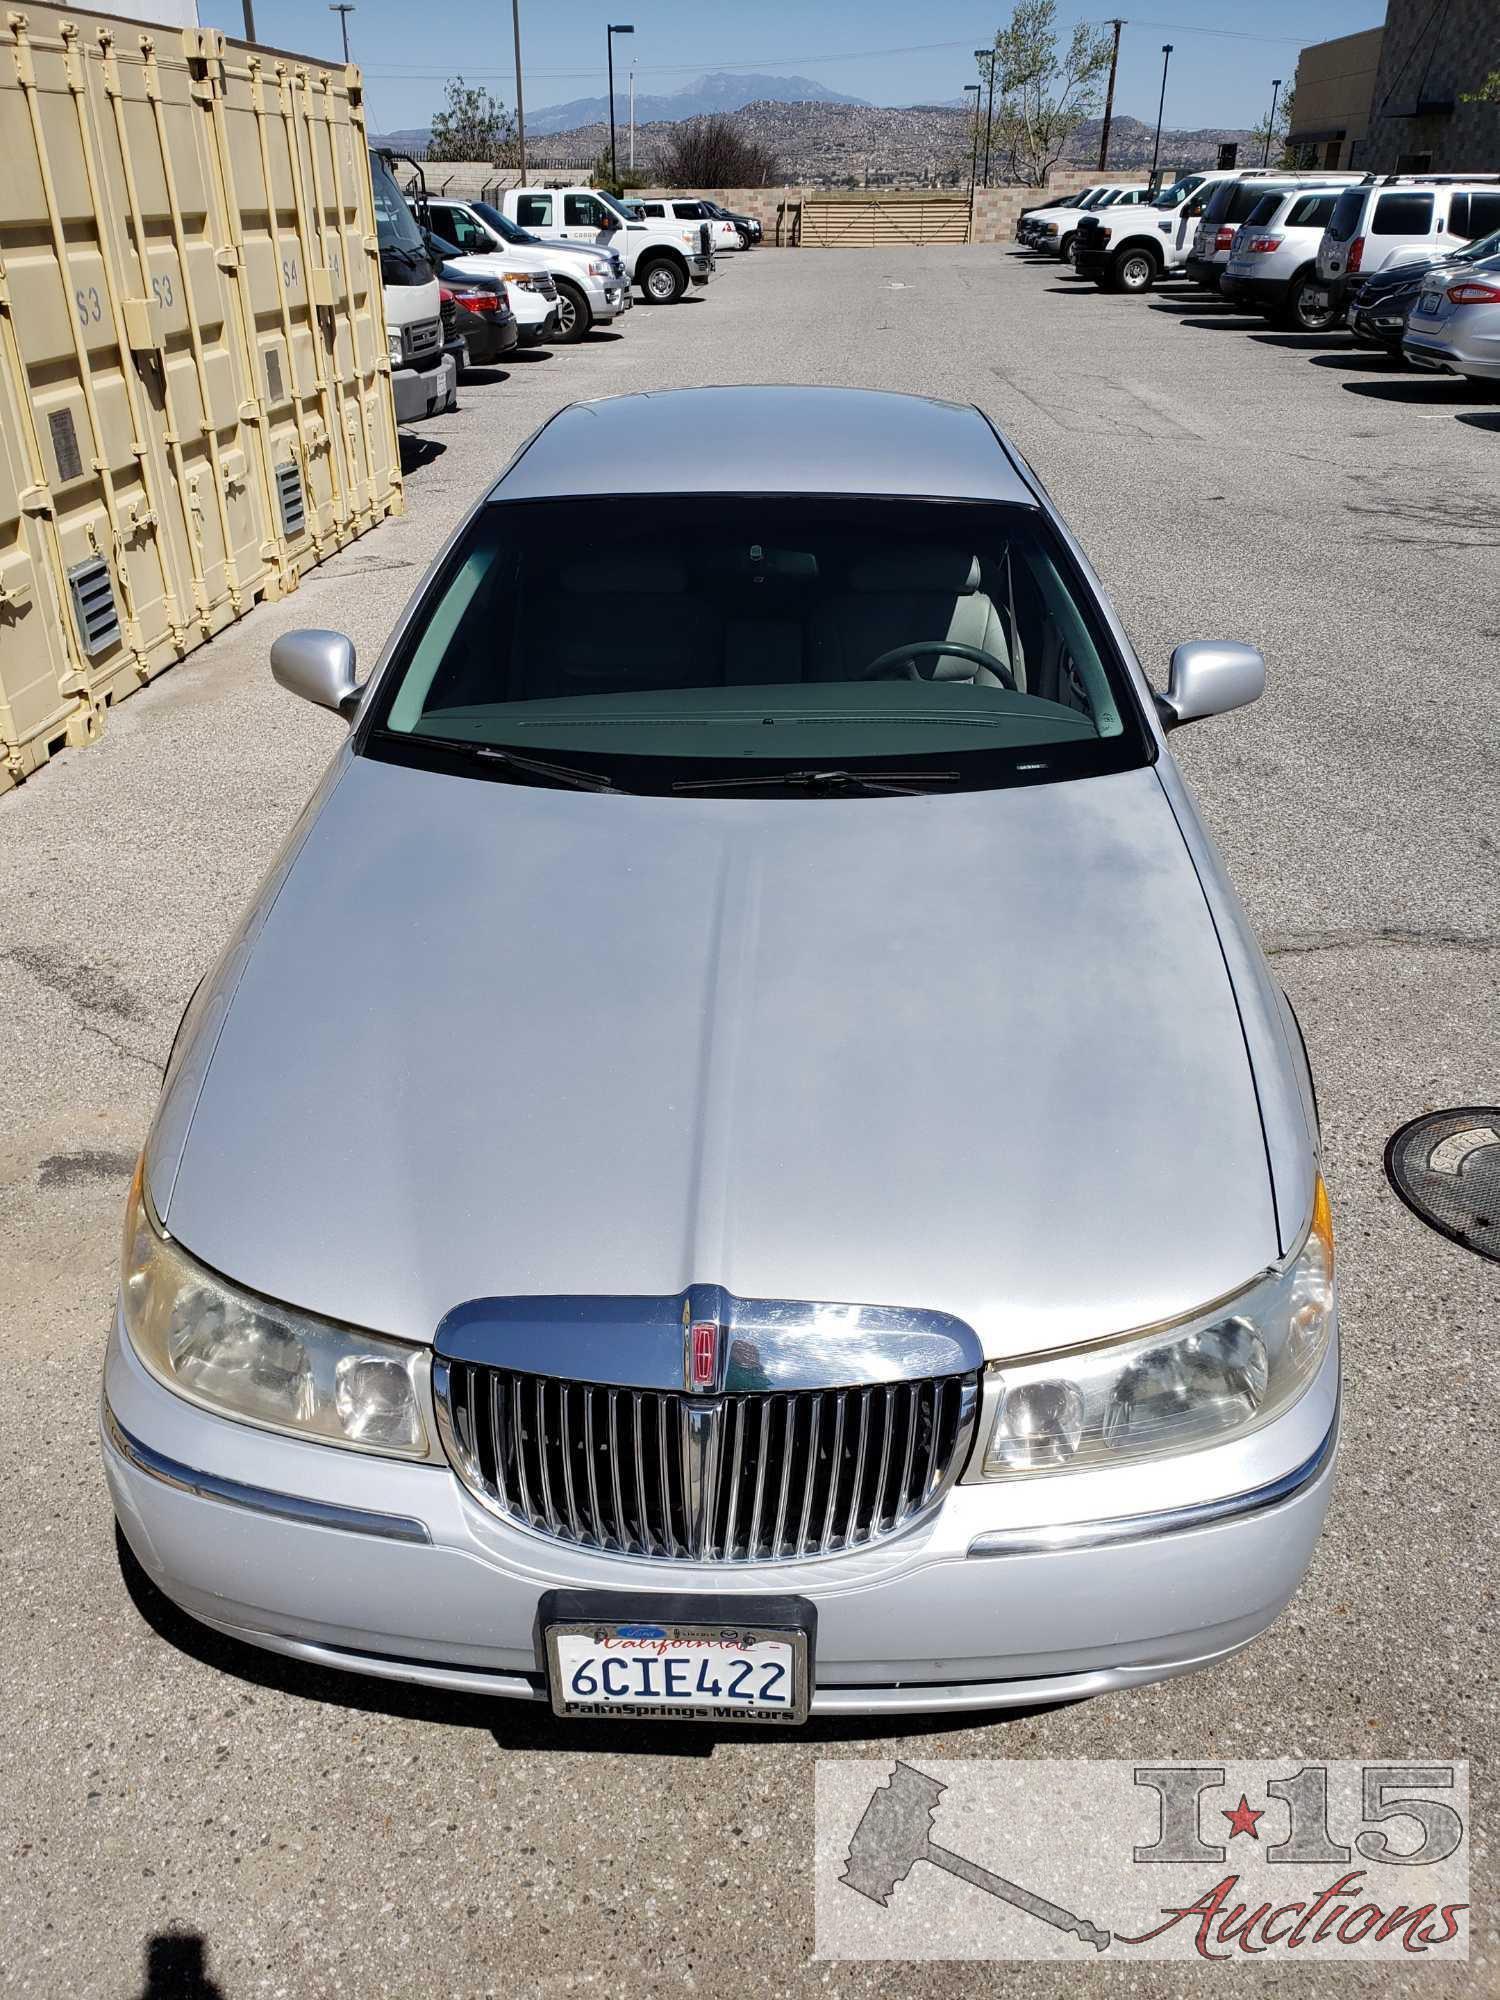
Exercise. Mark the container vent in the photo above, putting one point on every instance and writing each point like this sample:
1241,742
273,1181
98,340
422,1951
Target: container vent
94,605
293,503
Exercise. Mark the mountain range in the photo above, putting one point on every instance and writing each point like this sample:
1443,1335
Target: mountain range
718,91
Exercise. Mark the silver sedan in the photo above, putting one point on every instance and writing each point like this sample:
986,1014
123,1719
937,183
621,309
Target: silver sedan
744,1161
1454,322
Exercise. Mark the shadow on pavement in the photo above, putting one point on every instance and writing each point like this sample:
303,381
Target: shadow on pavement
1308,343
175,1968
1365,361
482,378
417,451
1482,420
514,1725
1416,389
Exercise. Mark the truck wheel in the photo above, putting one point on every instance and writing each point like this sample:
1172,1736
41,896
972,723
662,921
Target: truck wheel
663,281
1065,248
747,241
1132,271
1300,313
574,317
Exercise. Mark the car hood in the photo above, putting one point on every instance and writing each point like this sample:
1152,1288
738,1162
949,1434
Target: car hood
978,1054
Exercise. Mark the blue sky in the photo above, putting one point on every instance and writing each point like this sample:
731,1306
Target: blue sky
1224,55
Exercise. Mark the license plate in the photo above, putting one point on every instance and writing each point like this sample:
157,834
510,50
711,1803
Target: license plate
1431,304
645,1666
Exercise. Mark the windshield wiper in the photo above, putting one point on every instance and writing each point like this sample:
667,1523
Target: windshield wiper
833,781
562,774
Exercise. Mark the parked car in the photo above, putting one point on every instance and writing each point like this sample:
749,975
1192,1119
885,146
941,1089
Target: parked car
1055,232
724,234
838,1217
1031,220
1402,219
483,320
1130,253
424,379
1272,260
533,296
748,228
1377,312
1231,204
593,286
662,258
1454,322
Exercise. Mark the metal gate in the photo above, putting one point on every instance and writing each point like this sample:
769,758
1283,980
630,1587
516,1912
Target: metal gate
866,221
195,398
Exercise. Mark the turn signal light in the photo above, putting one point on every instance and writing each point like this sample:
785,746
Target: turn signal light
1356,255
1472,293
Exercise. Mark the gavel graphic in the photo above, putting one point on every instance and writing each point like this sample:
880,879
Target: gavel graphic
894,1834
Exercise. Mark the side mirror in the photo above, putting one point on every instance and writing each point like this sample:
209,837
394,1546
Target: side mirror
1208,677
319,666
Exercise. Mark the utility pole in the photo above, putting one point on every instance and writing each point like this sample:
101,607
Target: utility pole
515,21
987,58
343,8
632,117
1166,57
611,30
249,21
1109,97
974,160
1271,121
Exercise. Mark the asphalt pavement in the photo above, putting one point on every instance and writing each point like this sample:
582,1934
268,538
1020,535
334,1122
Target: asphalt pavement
185,1816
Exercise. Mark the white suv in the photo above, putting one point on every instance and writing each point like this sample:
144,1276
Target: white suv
1233,202
1273,258
1403,219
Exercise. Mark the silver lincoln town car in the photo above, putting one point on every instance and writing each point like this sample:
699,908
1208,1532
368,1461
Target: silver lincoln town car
744,1160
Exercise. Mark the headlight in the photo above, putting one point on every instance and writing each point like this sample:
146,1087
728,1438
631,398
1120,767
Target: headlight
599,269
394,345
263,1363
1230,1369
1049,229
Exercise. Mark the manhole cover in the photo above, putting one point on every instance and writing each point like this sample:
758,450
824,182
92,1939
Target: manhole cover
1446,1168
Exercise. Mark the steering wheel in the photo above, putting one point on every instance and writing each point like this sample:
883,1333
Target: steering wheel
881,669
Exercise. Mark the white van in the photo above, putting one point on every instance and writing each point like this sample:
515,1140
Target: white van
424,379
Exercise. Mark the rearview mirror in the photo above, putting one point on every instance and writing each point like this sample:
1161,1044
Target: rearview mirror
1208,677
319,666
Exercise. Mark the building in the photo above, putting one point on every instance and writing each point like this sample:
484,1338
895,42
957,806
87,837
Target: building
1335,87
1424,116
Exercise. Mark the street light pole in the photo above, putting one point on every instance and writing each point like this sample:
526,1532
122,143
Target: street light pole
515,21
1271,121
974,158
613,29
1109,98
987,57
343,8
1166,57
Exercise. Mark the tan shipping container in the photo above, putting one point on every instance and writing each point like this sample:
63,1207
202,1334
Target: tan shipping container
195,398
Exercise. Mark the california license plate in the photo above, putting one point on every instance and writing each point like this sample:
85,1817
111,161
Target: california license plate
665,1668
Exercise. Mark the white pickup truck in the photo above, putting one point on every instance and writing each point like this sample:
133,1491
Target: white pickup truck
593,287
662,258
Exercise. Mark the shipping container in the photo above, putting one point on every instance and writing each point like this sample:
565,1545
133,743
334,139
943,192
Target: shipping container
195,401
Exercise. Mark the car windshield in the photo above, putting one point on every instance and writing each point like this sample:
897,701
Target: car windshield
730,640
502,224
395,228
1480,248
1175,195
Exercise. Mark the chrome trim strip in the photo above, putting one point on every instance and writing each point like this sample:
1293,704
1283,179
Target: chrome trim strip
1170,1521
259,1499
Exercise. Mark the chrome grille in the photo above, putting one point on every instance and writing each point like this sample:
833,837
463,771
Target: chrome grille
738,1478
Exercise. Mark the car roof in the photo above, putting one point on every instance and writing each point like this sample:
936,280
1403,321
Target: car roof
767,440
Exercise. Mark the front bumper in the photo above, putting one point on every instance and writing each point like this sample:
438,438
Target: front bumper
538,331
1006,1596
1090,263
423,392
701,269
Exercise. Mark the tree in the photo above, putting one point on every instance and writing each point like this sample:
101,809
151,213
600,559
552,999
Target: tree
474,127
716,152
1041,97
1487,93
1280,154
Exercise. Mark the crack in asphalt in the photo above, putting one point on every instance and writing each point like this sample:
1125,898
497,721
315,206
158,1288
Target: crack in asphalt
1297,944
90,990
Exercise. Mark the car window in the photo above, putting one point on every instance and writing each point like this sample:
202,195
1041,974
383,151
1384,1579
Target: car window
1402,214
1247,195
1347,211
1132,197
1175,195
1484,213
534,211
690,211
1311,211
710,635
581,211
1265,208
653,208
463,229
1108,199
1458,215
